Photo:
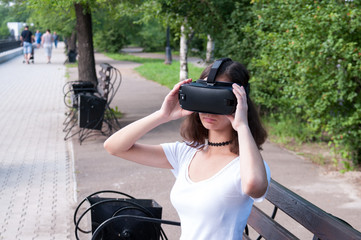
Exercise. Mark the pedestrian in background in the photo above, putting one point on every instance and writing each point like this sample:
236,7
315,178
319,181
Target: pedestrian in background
47,43
56,38
27,38
38,38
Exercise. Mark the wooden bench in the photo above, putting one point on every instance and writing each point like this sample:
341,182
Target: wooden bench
321,224
87,103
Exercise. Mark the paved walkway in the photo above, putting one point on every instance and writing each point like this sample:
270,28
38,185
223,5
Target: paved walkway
37,196
36,185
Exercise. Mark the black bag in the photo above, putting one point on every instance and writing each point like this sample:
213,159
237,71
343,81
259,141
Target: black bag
122,218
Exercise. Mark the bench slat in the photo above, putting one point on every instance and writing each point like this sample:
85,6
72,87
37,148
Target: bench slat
267,227
320,223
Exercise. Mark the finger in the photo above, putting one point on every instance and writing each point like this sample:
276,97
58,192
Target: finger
240,93
184,81
239,89
177,86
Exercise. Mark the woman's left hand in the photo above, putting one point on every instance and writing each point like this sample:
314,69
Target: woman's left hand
239,117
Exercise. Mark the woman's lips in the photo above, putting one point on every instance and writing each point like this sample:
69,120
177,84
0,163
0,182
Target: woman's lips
208,120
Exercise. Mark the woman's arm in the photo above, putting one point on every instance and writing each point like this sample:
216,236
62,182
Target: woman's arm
253,172
124,144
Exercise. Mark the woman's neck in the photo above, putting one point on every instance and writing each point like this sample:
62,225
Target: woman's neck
219,137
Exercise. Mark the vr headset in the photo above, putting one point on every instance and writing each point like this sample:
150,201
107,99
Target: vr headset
209,96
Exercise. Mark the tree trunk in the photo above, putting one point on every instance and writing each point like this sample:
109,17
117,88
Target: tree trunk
183,51
168,52
71,43
86,61
210,48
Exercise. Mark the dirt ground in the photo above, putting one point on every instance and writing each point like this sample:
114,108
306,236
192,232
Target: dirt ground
329,163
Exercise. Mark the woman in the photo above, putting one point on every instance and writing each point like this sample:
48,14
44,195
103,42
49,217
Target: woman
219,169
47,43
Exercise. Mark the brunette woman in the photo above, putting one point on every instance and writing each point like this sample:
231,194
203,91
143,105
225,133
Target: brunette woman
218,167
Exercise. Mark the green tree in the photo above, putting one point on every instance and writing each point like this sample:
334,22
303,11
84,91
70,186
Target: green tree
4,16
307,65
12,13
83,18
238,39
205,18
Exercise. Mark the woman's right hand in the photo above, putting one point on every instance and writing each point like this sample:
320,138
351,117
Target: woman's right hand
124,144
171,109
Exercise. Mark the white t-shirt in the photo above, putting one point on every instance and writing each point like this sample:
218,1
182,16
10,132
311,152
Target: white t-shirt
215,208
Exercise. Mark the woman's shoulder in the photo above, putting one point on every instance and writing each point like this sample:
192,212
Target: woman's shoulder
179,147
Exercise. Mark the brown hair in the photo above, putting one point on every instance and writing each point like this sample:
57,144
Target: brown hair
192,129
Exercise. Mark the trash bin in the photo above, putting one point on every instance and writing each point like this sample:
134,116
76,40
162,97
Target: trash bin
72,56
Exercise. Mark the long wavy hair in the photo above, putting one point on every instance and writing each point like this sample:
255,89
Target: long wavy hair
192,129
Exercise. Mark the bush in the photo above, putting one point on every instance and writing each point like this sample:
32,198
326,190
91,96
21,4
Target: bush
308,65
109,40
152,36
305,59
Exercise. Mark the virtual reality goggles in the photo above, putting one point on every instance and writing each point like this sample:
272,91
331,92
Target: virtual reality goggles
209,96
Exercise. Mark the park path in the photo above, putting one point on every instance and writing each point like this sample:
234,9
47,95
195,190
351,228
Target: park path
36,183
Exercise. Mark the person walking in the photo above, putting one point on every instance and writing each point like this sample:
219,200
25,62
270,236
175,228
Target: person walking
56,38
47,43
38,38
27,38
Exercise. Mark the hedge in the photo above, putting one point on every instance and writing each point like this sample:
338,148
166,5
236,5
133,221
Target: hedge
305,58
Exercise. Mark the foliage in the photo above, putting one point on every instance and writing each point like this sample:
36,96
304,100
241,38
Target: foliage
109,33
307,65
56,19
288,129
110,113
128,23
4,15
11,13
152,36
240,41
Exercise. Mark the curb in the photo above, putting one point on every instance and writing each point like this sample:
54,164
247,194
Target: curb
8,55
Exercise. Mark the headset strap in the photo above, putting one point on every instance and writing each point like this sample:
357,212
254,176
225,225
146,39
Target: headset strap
211,79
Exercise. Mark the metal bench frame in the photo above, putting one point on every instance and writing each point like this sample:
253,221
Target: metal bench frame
108,85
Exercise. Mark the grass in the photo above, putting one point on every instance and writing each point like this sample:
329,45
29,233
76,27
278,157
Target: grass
166,75
131,58
113,112
156,70
288,130
69,65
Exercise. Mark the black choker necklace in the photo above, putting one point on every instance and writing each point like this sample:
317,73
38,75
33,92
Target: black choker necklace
220,144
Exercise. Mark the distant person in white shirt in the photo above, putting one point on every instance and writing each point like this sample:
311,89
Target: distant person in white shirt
47,43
